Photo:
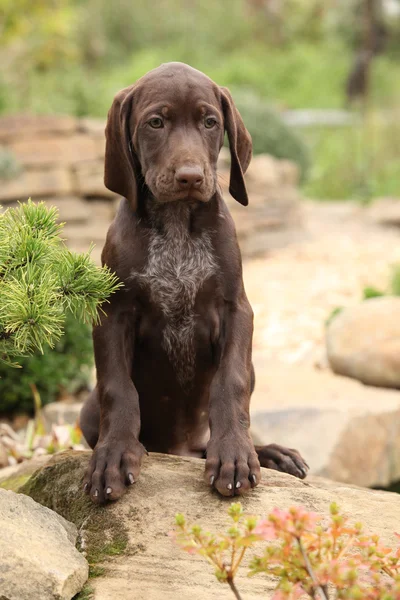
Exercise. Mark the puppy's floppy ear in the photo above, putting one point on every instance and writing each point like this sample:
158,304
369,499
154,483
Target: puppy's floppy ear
240,146
121,170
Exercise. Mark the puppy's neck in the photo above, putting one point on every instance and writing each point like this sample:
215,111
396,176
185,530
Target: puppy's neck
169,217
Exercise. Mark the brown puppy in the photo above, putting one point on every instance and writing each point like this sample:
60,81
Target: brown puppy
173,355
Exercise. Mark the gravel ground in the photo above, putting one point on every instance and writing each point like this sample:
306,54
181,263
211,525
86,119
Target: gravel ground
293,290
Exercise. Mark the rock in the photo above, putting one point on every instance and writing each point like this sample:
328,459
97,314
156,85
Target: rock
263,173
102,209
63,161
71,209
224,159
89,180
129,539
363,342
3,457
274,216
61,413
37,184
38,557
290,172
268,222
83,235
385,211
345,431
94,127
51,150
17,127
13,477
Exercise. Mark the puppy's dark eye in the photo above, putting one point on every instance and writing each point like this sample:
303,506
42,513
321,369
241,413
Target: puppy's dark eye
210,122
156,123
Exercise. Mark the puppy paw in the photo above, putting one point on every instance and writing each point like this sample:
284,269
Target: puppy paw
113,467
232,465
282,459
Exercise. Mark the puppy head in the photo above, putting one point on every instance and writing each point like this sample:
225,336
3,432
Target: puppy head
165,133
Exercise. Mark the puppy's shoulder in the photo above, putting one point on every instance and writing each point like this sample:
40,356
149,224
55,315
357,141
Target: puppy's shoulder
123,250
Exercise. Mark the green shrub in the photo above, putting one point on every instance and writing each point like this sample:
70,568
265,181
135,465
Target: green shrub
395,281
9,166
269,132
372,292
66,367
360,161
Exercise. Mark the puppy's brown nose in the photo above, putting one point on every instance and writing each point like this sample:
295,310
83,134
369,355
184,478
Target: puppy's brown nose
189,177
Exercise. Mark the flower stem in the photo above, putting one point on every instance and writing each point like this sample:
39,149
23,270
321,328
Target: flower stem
311,573
234,589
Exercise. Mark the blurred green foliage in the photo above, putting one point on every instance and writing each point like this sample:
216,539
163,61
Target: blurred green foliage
9,165
71,56
360,161
395,281
373,292
64,368
270,134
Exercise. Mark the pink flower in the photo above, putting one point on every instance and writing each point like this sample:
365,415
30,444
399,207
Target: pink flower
294,594
266,530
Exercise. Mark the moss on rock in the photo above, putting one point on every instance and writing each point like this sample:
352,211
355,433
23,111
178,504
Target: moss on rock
85,594
59,487
14,483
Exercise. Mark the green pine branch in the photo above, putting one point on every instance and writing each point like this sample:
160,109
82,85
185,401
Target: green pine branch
41,281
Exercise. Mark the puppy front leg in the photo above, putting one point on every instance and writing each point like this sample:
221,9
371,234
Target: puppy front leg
232,465
118,453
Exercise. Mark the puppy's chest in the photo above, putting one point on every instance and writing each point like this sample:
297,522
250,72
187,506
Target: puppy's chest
176,269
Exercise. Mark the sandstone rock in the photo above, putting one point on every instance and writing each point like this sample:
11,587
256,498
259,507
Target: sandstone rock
268,222
13,477
89,180
364,342
129,538
345,431
50,150
290,172
36,184
38,557
224,158
83,235
274,216
263,173
18,127
102,209
94,127
3,457
71,209
385,211
61,413
72,150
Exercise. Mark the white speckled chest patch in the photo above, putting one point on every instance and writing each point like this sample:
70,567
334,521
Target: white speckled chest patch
178,265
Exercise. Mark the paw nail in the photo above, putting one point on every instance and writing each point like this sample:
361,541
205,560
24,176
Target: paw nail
85,487
238,485
131,478
96,493
229,486
212,479
254,478
108,490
